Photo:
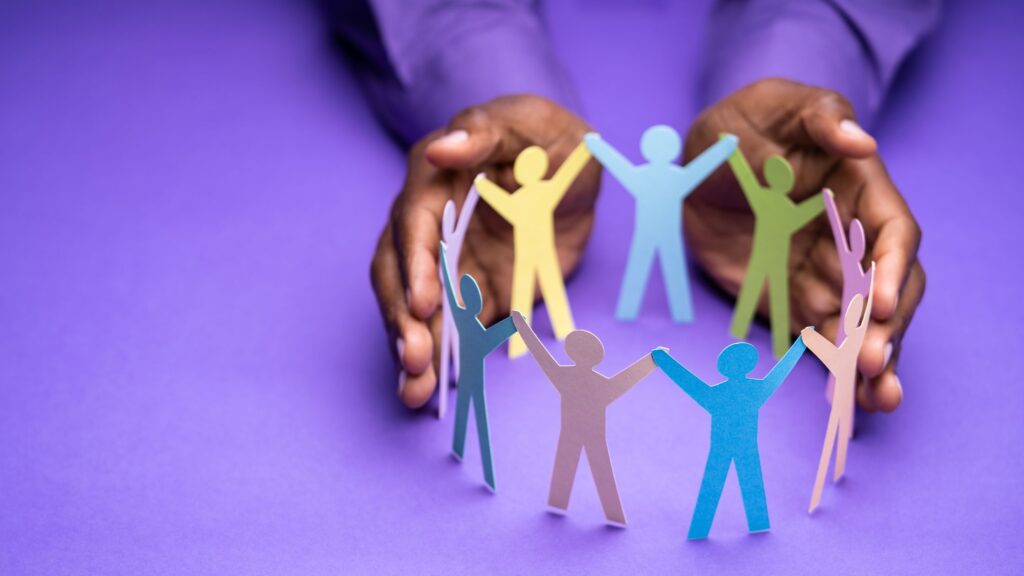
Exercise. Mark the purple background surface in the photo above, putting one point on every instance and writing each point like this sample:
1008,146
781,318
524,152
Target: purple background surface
194,379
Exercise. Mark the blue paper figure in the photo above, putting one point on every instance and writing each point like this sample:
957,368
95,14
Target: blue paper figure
733,405
660,186
475,343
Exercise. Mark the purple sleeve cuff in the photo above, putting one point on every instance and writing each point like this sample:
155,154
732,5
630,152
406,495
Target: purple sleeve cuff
442,58
841,45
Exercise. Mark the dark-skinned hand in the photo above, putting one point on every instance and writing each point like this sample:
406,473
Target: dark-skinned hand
485,138
815,130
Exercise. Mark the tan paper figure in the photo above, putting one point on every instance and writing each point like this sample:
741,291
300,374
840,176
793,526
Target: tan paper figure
531,212
586,394
842,362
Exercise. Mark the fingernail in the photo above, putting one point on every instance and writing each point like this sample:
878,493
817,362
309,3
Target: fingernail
454,137
401,382
400,348
853,129
886,355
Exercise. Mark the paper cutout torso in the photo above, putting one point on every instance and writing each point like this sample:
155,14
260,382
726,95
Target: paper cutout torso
734,405
586,394
842,363
531,212
475,343
777,218
855,280
453,233
660,186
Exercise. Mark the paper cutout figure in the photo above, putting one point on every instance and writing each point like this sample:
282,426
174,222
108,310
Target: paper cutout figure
475,343
531,211
733,405
586,394
453,235
660,186
777,218
842,363
855,280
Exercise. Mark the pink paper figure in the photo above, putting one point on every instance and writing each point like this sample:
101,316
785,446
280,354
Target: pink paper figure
453,235
855,280
586,394
841,361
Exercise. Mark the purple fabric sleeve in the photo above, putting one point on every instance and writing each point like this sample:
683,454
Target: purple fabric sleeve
422,62
853,47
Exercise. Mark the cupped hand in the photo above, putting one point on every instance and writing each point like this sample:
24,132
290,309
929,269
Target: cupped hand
815,130
441,167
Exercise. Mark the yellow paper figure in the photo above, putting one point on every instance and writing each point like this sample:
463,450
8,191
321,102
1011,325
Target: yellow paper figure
531,212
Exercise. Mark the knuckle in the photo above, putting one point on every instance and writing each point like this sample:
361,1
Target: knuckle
470,118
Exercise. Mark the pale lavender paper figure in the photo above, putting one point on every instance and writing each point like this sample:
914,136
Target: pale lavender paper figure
855,279
453,233
586,394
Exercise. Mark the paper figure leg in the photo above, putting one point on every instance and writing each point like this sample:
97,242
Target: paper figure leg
830,392
634,281
480,408
567,458
826,455
778,299
446,350
748,471
461,420
673,266
711,486
552,288
841,446
604,479
523,281
455,354
746,301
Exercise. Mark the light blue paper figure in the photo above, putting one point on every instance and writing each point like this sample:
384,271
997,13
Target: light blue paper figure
660,186
733,405
475,343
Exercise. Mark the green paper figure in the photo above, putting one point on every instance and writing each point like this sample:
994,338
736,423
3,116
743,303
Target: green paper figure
475,343
777,218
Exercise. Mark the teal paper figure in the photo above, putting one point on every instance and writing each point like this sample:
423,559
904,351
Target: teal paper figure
475,343
660,186
734,406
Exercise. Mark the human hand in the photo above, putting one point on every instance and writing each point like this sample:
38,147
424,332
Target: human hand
814,130
485,138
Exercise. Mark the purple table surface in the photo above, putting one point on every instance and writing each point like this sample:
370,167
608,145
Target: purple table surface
194,378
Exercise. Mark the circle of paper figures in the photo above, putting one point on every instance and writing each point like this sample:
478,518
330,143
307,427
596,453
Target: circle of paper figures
659,189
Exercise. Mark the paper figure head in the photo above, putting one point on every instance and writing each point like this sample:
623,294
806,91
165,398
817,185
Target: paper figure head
854,313
779,174
660,144
448,219
737,360
857,239
584,348
531,165
471,294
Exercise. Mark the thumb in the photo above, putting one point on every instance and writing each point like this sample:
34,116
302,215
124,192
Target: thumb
828,122
470,140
